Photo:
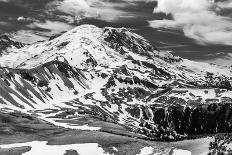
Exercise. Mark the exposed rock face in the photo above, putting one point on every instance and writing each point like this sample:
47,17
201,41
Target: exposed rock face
117,76
6,42
121,39
221,145
176,120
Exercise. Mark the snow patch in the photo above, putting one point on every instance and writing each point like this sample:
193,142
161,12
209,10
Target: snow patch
146,151
181,152
41,147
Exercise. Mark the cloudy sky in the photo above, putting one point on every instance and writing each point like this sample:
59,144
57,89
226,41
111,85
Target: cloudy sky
195,29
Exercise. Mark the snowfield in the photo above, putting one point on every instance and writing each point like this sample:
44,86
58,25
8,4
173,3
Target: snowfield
41,147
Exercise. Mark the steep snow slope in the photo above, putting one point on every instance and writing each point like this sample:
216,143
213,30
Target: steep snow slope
29,89
116,75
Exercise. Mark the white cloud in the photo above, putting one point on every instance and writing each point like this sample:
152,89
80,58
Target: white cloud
225,60
31,36
74,7
197,19
26,19
53,26
3,23
27,36
225,4
21,18
101,9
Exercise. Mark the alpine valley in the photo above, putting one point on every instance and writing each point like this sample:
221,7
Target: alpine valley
109,91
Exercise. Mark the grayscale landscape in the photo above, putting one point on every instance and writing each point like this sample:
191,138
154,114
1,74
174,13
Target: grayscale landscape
123,77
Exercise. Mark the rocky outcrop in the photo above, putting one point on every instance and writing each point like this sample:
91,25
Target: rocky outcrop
177,121
220,145
6,42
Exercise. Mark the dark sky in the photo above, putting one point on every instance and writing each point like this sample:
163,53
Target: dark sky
185,35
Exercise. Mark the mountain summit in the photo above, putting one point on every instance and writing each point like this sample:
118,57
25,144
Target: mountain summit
116,76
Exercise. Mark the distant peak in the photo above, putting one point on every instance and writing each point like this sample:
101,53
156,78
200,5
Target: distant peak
6,42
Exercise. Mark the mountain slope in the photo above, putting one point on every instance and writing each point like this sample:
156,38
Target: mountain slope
6,44
116,76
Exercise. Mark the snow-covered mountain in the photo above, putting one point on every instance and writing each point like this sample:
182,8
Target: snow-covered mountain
117,76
